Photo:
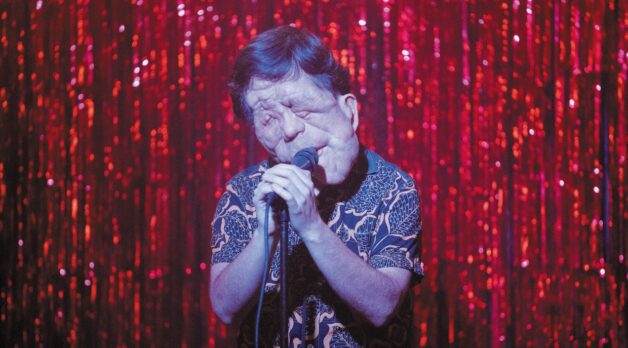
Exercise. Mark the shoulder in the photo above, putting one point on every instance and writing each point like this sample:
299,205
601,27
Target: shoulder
236,202
245,181
239,189
385,170
383,184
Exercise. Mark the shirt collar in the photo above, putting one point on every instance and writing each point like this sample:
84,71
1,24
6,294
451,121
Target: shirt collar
372,159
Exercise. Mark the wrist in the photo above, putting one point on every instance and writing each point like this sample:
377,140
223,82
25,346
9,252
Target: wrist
258,234
314,233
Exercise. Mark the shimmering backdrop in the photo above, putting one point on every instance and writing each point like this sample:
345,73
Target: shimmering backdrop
117,138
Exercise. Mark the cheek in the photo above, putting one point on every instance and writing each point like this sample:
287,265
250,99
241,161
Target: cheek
339,159
268,136
337,126
339,136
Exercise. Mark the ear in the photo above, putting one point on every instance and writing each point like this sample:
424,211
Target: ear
349,105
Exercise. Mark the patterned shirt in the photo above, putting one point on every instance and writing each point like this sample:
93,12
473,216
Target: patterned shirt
375,212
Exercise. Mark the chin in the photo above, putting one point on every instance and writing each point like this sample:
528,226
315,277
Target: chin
336,181
335,176
338,171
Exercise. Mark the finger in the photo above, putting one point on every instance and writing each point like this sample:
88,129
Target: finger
304,175
282,192
289,181
271,178
301,178
262,191
288,169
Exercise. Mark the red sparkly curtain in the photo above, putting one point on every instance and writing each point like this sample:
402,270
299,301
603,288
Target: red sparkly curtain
117,137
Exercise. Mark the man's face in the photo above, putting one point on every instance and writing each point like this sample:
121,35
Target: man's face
293,114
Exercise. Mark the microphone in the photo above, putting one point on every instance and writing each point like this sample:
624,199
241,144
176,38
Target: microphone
305,159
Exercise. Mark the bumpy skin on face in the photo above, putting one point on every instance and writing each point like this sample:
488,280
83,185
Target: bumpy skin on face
292,114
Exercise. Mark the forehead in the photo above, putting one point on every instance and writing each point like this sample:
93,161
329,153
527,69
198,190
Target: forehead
292,91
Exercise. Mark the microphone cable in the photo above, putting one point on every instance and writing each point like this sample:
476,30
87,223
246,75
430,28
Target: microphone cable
307,159
264,274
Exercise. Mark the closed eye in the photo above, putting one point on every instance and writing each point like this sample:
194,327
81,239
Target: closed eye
302,114
267,119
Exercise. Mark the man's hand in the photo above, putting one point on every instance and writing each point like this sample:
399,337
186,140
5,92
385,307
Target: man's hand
261,201
296,187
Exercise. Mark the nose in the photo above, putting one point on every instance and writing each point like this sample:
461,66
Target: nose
291,126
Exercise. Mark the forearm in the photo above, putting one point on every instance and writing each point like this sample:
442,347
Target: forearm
233,285
371,292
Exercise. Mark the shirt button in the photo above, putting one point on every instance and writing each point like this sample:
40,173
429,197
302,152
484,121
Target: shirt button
310,345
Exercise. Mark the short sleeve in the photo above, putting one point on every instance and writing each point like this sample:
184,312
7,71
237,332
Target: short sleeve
231,230
397,239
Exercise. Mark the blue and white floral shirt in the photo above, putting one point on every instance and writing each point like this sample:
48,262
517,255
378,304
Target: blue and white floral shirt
375,212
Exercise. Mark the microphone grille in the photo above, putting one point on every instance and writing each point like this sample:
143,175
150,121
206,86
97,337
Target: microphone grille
306,158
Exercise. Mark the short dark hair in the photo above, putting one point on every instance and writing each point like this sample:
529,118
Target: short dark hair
282,53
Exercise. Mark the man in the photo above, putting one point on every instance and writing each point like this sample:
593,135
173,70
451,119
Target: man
354,222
